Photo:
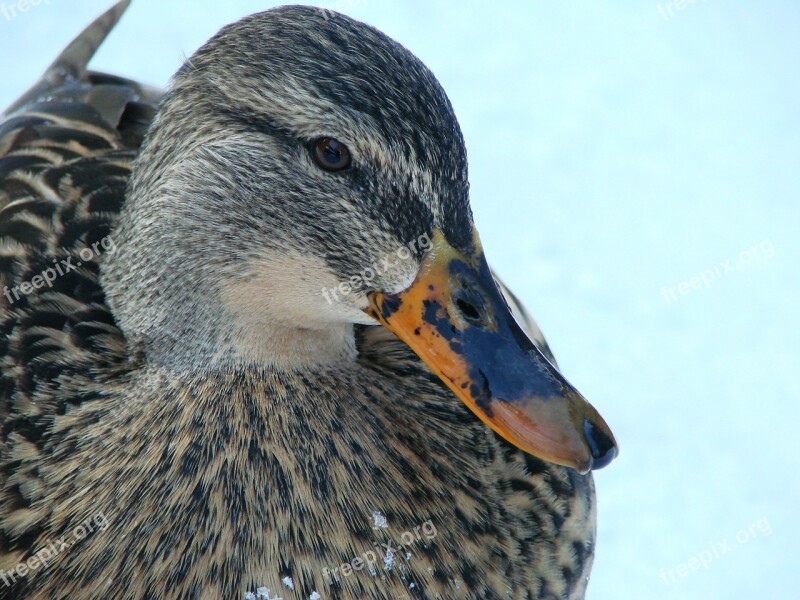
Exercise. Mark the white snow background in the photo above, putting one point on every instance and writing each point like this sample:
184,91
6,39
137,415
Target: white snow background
615,151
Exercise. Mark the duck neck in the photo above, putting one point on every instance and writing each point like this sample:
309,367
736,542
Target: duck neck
231,328
188,308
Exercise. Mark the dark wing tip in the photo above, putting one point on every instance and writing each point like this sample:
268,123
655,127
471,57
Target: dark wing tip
71,63
525,320
73,60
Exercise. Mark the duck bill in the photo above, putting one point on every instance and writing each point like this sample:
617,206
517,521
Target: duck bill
455,319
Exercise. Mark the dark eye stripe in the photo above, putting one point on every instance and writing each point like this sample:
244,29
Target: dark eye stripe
330,154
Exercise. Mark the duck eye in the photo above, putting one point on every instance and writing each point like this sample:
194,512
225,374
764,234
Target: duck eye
330,154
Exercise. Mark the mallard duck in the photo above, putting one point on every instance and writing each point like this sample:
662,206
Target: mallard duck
251,345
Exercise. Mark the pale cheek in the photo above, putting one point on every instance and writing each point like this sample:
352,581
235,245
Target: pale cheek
290,290
276,314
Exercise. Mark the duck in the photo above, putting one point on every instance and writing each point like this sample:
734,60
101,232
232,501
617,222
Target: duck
251,344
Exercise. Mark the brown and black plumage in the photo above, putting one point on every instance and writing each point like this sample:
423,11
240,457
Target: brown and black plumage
183,374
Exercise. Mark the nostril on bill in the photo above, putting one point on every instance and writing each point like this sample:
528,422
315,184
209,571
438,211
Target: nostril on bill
602,447
468,310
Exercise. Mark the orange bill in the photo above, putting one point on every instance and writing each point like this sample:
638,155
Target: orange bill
455,319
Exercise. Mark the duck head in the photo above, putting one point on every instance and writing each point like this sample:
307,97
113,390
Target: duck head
306,173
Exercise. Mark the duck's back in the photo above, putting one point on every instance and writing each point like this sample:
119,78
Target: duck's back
66,149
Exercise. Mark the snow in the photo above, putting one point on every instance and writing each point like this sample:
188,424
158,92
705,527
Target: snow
388,559
287,581
379,521
613,153
262,593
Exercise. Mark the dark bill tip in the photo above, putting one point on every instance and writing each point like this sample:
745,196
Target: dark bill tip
602,447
